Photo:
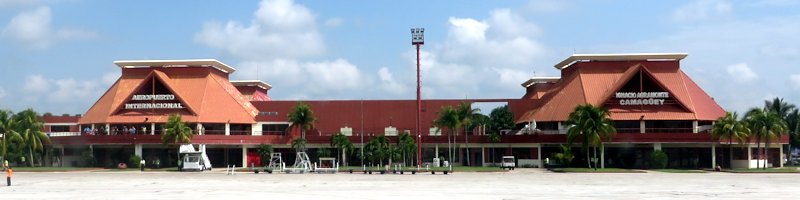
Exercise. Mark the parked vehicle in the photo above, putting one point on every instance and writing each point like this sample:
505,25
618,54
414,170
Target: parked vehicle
193,161
508,163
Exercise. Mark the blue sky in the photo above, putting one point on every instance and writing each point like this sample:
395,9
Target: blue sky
56,56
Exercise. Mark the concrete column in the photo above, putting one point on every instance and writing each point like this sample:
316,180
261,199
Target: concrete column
656,146
108,130
603,157
780,158
713,156
152,128
137,150
483,156
436,151
256,129
244,157
695,127
199,129
749,156
227,129
641,126
541,160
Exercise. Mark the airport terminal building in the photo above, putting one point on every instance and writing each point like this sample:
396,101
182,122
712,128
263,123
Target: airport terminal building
653,103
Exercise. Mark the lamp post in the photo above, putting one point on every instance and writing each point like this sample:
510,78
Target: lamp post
418,39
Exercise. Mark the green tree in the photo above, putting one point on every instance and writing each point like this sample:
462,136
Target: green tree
299,145
501,118
591,124
448,118
565,156
779,106
731,128
343,145
493,137
765,125
658,160
176,131
264,152
465,116
302,117
7,127
31,129
378,149
406,146
793,123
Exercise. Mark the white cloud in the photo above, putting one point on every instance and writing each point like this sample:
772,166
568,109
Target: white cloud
36,83
334,22
699,10
33,29
280,29
70,90
2,92
476,52
332,79
794,80
388,84
741,73
111,77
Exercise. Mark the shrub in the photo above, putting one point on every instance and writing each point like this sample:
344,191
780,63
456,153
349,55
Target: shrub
88,158
658,160
134,161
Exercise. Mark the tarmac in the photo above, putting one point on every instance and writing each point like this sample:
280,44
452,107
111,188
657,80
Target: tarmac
517,184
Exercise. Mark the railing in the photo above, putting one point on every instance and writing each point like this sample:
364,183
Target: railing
272,132
62,134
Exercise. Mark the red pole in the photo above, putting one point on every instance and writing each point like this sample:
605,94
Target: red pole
419,108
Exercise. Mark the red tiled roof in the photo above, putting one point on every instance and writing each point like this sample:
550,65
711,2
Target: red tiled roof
206,93
596,82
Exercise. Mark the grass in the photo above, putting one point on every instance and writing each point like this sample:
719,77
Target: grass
600,170
51,169
679,170
768,170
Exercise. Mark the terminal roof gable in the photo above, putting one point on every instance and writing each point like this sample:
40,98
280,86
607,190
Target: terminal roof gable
643,71
155,76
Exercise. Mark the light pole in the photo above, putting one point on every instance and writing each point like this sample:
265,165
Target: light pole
418,39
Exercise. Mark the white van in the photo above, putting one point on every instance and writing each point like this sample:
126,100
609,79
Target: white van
508,163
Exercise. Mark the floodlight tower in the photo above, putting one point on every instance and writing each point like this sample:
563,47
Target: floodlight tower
418,39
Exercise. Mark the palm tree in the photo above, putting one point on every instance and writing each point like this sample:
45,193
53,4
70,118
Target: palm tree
448,118
788,112
302,117
406,145
176,131
765,125
465,115
793,123
729,127
592,125
264,152
8,129
378,148
31,129
343,145
299,145
780,107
